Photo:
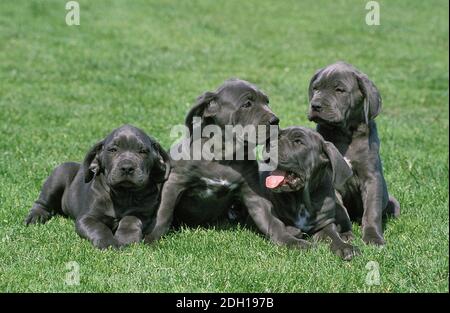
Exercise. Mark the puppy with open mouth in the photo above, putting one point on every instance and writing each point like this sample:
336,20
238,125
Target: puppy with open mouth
113,195
201,192
303,188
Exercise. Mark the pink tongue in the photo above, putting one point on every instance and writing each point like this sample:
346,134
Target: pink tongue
275,179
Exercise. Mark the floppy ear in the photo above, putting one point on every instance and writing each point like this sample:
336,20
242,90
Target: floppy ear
205,107
372,98
341,170
310,89
91,163
161,169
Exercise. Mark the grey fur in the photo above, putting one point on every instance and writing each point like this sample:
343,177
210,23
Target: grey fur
306,199
344,103
199,192
113,195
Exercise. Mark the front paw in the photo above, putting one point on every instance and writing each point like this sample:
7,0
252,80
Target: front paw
347,236
301,244
105,243
37,215
372,237
155,234
294,231
294,242
345,251
129,231
150,239
127,238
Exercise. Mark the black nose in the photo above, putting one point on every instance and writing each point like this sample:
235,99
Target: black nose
316,106
274,120
127,169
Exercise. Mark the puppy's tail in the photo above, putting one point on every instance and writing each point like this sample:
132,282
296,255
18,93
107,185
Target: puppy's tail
393,207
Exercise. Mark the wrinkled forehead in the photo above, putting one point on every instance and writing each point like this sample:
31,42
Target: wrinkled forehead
308,137
237,89
337,74
128,137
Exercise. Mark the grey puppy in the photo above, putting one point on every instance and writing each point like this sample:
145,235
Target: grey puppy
199,192
113,194
302,188
344,103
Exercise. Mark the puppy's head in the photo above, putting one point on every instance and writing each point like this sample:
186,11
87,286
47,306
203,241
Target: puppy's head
236,102
340,94
128,158
302,157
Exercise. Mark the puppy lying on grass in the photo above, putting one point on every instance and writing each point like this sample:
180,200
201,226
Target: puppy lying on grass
201,192
302,188
113,194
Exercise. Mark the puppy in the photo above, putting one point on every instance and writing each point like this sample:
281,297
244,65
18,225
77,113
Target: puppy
302,188
113,194
200,192
344,103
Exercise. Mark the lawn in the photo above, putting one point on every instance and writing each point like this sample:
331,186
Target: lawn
62,88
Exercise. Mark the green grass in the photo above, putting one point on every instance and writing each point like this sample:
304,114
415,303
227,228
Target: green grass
144,62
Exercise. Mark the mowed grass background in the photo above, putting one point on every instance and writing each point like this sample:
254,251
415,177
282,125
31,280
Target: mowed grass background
144,62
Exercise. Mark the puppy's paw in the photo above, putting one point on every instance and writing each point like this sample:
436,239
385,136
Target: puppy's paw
372,237
321,236
300,244
37,215
393,208
150,239
155,234
347,236
345,251
125,239
105,243
294,231
294,242
129,231
304,245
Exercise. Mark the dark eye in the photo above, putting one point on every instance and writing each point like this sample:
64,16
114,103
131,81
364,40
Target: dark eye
339,89
144,151
247,104
112,149
298,141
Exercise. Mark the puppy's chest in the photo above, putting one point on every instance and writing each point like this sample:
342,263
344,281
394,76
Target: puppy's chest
357,150
132,206
304,219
